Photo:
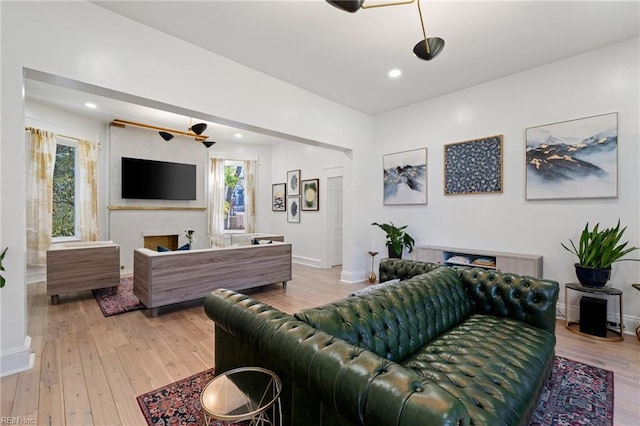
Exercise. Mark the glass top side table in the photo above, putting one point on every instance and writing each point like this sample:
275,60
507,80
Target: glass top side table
245,393
574,326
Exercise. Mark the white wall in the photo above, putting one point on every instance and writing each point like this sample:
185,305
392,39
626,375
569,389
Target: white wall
306,237
127,228
602,81
77,41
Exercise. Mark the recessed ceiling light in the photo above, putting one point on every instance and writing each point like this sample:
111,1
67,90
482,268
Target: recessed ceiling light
90,105
395,73
238,135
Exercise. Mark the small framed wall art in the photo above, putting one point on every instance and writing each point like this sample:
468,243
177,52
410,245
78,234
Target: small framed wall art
311,194
474,166
293,209
293,182
405,177
573,159
279,197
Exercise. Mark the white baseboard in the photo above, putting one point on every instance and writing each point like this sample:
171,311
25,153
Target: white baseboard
350,277
18,359
308,261
630,323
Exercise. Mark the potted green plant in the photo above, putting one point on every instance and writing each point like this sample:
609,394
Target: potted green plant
597,250
397,239
2,280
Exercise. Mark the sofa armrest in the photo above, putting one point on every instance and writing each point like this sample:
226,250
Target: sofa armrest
528,299
317,369
401,269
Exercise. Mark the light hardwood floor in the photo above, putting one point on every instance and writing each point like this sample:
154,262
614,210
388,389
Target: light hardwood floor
89,369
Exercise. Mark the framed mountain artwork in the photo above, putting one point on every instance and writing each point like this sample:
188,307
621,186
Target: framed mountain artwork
405,177
573,159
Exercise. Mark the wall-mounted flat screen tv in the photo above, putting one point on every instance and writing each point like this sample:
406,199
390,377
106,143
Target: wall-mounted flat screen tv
158,180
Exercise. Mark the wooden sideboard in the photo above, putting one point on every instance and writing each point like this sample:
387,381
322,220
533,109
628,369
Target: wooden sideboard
166,278
521,264
79,266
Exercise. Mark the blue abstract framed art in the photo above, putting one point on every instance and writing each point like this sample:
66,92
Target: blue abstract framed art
473,166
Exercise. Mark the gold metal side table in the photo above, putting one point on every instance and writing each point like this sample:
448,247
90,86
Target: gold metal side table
574,326
637,287
245,393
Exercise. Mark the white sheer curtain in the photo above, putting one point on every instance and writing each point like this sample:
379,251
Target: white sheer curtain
42,155
87,197
216,203
250,196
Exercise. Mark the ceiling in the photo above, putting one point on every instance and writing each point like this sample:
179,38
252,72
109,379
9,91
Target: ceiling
346,57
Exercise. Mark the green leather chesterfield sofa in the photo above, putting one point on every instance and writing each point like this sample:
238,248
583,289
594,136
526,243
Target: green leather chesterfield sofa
444,346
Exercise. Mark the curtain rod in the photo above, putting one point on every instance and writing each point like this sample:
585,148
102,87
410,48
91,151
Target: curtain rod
26,129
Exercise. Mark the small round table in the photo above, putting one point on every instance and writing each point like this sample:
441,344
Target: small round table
245,393
574,326
637,287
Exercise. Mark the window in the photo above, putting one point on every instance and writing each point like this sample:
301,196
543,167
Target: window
234,196
64,191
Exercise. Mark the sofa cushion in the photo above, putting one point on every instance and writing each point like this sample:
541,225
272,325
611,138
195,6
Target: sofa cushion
528,299
496,366
397,320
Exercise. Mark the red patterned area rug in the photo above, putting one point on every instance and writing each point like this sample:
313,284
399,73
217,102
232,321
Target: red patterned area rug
576,394
122,302
178,403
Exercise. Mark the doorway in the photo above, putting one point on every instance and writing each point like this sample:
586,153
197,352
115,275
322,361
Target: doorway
334,222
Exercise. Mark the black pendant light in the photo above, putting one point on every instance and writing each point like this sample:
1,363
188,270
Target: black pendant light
198,128
350,6
426,49
193,130
429,48
208,144
166,136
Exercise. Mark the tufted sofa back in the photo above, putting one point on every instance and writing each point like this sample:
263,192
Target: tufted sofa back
502,294
395,321
390,269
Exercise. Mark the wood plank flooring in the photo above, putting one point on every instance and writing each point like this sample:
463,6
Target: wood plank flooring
89,368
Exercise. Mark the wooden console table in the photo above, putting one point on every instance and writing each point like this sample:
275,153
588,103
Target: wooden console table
521,264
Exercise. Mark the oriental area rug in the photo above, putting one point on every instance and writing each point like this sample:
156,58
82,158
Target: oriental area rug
576,394
122,302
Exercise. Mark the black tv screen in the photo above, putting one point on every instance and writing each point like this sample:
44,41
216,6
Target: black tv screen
158,180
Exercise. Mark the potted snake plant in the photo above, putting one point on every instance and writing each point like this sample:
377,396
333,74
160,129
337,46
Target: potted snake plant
597,250
397,239
2,279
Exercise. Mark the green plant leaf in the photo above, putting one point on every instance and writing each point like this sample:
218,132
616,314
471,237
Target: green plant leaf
600,248
397,238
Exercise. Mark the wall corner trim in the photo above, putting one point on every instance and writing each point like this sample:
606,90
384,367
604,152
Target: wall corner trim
17,359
